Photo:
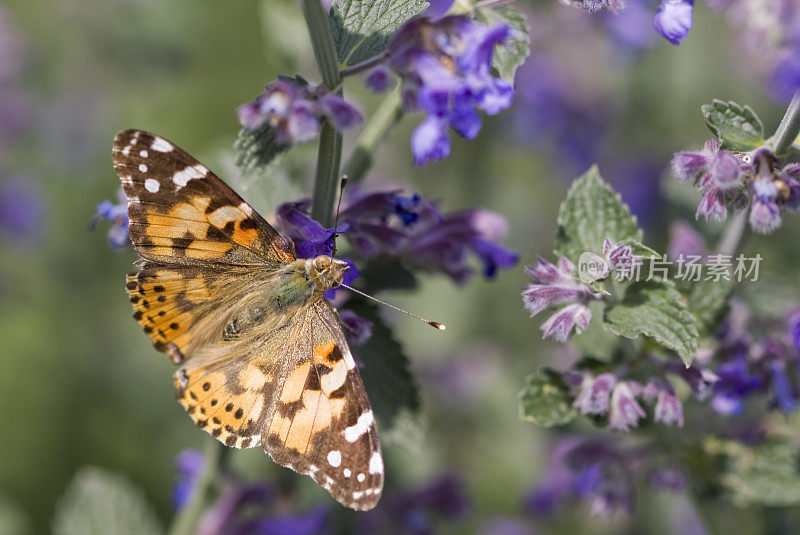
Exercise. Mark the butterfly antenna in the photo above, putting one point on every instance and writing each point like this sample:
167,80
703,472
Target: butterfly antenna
435,324
338,206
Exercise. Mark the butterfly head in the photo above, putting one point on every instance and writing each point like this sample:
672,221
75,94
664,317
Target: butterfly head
326,271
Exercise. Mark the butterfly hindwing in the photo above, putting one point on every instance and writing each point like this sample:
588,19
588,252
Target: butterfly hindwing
181,212
321,424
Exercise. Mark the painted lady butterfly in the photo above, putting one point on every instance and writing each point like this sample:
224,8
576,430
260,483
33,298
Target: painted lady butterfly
263,358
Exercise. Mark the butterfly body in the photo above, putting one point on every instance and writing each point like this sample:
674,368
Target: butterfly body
263,360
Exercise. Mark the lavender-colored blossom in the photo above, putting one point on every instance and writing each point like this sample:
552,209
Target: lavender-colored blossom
595,393
378,79
765,213
118,215
794,329
684,241
631,27
358,329
316,521
785,80
674,20
785,393
188,464
620,257
295,109
445,67
735,383
625,412
669,408
556,285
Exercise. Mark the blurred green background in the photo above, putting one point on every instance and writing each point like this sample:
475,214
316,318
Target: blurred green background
79,383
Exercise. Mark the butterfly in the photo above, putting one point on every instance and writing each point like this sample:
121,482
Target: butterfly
263,360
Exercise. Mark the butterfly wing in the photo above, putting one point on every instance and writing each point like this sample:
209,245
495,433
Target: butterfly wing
321,423
180,212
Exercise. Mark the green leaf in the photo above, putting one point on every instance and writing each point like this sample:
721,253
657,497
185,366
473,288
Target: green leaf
98,502
385,273
256,149
508,57
596,341
765,475
591,213
544,400
657,310
708,301
384,367
363,28
642,250
737,127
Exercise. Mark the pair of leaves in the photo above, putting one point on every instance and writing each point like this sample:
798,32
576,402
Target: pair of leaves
592,212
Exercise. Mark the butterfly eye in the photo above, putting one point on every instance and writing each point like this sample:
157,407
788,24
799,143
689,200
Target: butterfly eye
322,263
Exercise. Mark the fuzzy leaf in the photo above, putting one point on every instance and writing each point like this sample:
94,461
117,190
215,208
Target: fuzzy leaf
657,310
384,367
544,400
256,149
98,502
737,127
708,302
363,28
591,213
510,56
766,475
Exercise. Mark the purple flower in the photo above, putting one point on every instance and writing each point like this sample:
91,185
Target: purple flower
357,328
684,241
445,68
595,393
315,521
620,257
785,393
674,20
295,110
735,383
785,81
188,465
669,408
794,329
631,26
378,80
21,209
556,285
765,213
625,412
118,215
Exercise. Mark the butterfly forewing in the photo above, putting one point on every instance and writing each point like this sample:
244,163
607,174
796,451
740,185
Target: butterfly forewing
252,372
180,211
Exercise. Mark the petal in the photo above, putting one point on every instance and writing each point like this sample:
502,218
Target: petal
429,141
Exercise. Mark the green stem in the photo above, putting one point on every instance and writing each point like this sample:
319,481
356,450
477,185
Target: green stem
732,235
329,156
788,130
385,117
185,523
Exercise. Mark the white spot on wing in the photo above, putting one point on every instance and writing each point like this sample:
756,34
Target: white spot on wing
361,478
361,426
376,463
334,458
142,168
181,178
151,185
244,207
143,153
161,145
357,494
347,472
127,150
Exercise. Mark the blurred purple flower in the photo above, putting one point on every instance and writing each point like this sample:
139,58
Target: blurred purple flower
316,521
188,464
556,285
378,80
785,81
415,511
669,408
794,328
295,109
684,241
358,329
21,209
445,67
674,20
595,393
117,214
505,526
668,477
632,26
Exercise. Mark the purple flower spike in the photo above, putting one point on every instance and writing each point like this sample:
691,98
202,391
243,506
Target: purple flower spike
674,20
625,411
595,394
445,69
118,215
295,110
712,205
765,213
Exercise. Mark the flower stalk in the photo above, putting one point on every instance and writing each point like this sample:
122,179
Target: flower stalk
329,155
185,522
789,128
